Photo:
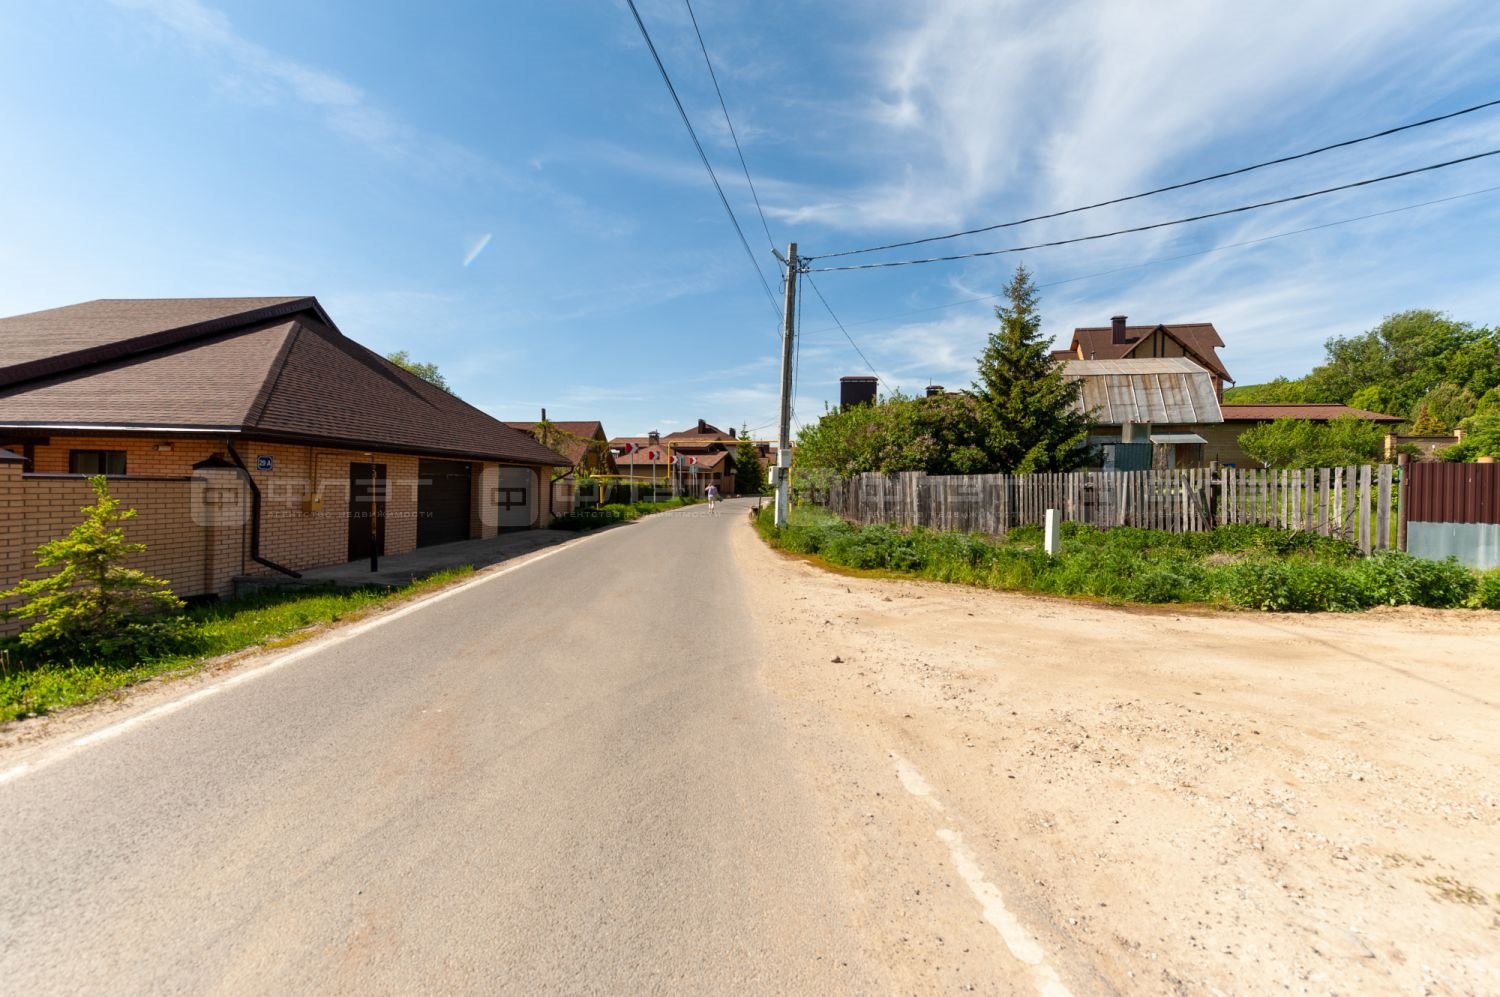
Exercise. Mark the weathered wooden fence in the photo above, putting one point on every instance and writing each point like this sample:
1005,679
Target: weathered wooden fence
1356,503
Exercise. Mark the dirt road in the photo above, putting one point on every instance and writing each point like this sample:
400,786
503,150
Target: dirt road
1148,802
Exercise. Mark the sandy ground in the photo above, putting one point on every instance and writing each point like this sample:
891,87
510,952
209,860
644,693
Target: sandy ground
1043,795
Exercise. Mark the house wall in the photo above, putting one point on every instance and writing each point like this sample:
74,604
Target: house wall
196,553
141,455
1221,443
198,535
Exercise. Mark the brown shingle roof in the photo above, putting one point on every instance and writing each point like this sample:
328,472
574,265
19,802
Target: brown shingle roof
1317,413
584,434
58,339
296,379
1200,339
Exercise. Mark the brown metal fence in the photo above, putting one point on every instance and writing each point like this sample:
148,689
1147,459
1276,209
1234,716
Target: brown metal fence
1453,493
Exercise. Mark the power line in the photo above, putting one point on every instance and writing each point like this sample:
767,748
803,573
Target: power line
1170,187
852,343
732,133
1182,256
703,155
1157,225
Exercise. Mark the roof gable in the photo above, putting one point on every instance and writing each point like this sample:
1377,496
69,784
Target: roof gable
1200,339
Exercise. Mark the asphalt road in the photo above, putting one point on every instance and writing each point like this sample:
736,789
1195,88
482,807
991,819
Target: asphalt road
563,779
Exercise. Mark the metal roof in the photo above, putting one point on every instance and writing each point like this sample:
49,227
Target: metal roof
1161,390
1177,438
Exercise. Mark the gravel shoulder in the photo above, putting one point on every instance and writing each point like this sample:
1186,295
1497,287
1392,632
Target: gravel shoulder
1167,801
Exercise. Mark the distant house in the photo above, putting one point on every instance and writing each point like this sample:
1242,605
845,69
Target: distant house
1150,412
584,442
1199,341
252,436
690,459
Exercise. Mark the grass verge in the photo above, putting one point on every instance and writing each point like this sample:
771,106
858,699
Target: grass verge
1248,567
608,515
273,617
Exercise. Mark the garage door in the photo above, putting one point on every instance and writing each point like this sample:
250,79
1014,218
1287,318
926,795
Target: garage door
442,502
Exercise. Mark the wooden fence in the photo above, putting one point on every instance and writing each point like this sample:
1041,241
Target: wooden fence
1357,503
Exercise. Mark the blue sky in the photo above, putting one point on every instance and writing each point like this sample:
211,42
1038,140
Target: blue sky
506,189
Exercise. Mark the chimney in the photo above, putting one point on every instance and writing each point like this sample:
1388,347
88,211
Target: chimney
857,390
654,437
544,415
731,432
1117,330
933,390
702,426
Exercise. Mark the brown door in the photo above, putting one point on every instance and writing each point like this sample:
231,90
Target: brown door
443,506
367,491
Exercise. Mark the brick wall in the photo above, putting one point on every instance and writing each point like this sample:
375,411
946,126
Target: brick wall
196,557
141,454
304,518
198,535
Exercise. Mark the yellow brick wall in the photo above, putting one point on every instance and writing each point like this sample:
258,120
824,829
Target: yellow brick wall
141,455
297,535
195,558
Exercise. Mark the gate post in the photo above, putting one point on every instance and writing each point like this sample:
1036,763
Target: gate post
1403,496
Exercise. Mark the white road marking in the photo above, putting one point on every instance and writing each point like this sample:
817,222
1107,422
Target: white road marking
114,730
1017,939
914,783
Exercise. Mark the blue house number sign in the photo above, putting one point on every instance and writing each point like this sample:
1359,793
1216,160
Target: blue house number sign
263,463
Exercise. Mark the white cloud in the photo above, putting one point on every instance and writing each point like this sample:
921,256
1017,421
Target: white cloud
256,74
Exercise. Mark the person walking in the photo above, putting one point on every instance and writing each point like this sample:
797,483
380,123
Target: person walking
713,498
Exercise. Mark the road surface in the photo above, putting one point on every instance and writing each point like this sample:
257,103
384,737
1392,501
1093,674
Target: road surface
565,777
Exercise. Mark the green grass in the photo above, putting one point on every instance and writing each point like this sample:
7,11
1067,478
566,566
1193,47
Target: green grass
608,515
1249,567
272,617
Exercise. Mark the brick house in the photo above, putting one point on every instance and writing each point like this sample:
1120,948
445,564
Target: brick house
252,437
705,455
585,445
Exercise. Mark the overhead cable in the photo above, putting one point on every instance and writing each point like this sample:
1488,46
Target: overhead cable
1171,187
1158,225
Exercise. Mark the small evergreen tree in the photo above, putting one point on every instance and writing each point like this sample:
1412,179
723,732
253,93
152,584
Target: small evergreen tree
749,476
1031,409
93,604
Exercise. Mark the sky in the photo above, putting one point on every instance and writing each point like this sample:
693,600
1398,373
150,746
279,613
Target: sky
507,190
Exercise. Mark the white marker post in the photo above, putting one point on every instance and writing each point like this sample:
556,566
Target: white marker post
1053,532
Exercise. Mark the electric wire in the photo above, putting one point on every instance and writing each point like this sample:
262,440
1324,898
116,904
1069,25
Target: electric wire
728,121
1171,187
1180,256
661,67
829,308
1159,225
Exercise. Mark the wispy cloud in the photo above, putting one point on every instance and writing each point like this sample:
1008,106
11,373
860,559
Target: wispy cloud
257,74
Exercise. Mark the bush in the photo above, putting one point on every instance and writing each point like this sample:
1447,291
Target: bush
1290,586
94,605
1268,569
1393,578
1487,591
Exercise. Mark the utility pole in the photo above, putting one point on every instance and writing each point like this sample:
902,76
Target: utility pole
784,441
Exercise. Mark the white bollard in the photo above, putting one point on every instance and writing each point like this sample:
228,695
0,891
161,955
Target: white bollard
1053,532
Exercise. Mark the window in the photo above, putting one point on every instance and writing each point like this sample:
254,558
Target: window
96,462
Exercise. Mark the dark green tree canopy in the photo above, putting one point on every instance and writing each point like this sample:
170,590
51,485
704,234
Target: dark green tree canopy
1417,364
1019,418
1030,409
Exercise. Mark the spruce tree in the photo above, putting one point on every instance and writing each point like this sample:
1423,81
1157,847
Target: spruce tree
1031,409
